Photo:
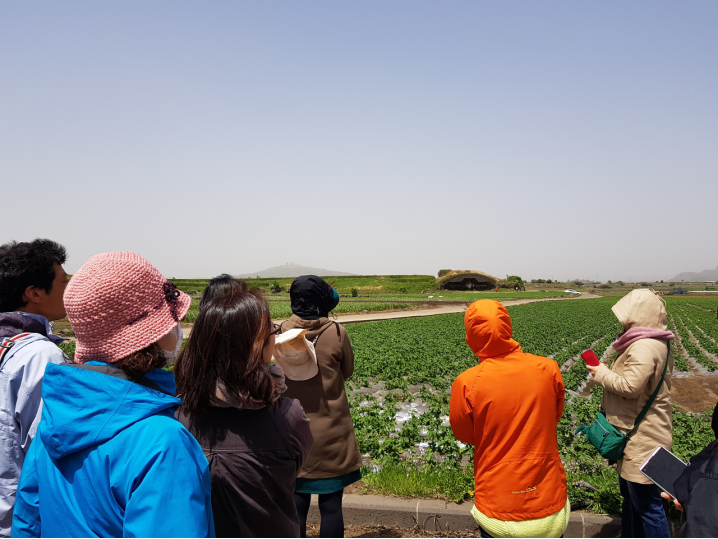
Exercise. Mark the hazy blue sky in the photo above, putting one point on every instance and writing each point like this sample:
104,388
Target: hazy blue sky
545,139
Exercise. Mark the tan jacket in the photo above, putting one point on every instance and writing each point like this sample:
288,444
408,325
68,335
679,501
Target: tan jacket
631,381
324,399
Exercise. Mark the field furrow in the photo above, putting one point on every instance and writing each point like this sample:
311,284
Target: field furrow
681,358
694,350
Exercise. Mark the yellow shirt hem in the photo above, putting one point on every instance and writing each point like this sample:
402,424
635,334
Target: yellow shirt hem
551,526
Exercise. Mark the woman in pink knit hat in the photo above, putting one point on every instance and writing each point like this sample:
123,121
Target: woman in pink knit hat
109,457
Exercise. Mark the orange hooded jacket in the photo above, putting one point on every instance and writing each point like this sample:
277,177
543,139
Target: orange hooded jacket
508,407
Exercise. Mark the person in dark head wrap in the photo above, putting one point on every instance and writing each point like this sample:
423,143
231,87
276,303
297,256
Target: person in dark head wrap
334,460
312,298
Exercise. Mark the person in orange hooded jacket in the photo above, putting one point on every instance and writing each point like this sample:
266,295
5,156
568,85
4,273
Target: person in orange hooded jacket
508,407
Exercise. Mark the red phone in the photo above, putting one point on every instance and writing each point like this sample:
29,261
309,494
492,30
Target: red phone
590,358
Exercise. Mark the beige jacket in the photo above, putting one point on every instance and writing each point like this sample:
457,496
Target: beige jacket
632,380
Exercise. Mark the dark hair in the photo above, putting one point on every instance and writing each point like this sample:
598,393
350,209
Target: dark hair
27,264
226,347
222,284
141,362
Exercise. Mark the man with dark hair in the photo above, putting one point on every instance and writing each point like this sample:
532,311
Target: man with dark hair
32,283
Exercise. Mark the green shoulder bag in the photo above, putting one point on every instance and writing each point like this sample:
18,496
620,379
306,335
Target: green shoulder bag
609,441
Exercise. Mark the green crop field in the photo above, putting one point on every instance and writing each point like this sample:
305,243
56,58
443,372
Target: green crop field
365,284
404,370
447,295
694,322
282,309
389,287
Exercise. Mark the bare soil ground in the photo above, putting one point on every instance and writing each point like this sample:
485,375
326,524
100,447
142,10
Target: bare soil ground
695,393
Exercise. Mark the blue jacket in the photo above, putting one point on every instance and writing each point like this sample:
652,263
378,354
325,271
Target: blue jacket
110,459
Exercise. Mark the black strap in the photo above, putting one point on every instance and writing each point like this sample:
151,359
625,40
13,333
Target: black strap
655,393
339,335
111,370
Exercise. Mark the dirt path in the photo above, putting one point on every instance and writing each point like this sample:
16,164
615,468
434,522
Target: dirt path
414,313
390,531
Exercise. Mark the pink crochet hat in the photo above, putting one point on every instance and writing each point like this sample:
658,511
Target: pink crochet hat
118,304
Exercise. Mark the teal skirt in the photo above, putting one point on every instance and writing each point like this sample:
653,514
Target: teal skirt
328,485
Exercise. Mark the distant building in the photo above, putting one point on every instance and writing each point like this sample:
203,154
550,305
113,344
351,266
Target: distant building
467,280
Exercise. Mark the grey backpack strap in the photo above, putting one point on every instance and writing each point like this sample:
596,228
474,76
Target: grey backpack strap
7,344
116,372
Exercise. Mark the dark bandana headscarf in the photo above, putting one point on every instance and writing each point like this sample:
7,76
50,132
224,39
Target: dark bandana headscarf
312,298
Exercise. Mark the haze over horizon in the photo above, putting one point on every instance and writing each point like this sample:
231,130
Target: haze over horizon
548,140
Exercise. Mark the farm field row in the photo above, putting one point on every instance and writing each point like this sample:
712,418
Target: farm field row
696,327
404,370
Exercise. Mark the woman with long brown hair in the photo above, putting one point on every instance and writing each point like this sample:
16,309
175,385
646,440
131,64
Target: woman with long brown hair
255,440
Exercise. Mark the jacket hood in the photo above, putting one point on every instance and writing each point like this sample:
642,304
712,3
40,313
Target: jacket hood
488,329
641,308
312,298
84,408
14,323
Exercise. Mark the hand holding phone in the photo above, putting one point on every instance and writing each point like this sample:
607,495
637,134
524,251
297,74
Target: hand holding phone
590,358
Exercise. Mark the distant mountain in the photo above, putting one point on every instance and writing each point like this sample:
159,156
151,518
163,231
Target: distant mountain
689,277
292,270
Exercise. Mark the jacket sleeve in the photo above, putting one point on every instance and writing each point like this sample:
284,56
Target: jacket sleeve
560,393
298,435
28,406
347,365
460,411
26,515
169,490
639,366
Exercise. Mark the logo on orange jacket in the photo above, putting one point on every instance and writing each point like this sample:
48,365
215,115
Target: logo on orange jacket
530,489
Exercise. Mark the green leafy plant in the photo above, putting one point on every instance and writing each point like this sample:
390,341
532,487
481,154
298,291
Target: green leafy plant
276,288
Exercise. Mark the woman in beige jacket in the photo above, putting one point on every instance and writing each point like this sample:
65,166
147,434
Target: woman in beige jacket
643,350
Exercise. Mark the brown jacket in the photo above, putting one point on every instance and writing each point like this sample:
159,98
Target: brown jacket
324,399
633,378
